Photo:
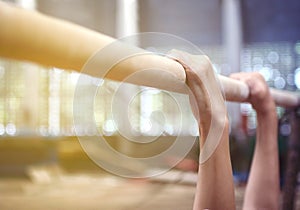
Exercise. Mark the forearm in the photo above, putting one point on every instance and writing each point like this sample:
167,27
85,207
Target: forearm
215,184
263,184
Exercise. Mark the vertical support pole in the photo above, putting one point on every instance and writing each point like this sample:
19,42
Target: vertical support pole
293,159
232,42
232,33
127,18
27,4
31,98
126,25
30,102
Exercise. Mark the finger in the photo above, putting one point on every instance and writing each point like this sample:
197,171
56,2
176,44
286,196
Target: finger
236,76
183,58
174,53
241,76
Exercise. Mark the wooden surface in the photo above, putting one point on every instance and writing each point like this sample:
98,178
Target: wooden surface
92,191
57,190
28,35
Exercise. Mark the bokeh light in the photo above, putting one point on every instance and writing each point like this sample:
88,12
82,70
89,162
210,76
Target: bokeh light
297,78
279,83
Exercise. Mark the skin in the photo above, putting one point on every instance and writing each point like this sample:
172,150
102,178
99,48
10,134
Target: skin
215,188
262,191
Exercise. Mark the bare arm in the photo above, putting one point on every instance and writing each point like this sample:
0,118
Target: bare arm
262,190
215,183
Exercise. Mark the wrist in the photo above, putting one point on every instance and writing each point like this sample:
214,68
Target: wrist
218,121
219,124
266,109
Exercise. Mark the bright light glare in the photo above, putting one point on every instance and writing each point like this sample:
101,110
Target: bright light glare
279,83
2,129
297,78
109,127
11,129
267,73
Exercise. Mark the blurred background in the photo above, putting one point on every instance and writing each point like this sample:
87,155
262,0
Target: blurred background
37,136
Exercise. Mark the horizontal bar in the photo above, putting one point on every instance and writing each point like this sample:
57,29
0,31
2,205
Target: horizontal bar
29,35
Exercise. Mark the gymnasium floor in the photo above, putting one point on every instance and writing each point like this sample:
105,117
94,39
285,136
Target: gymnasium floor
54,189
73,182
94,192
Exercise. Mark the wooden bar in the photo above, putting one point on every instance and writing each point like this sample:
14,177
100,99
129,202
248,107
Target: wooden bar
29,35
